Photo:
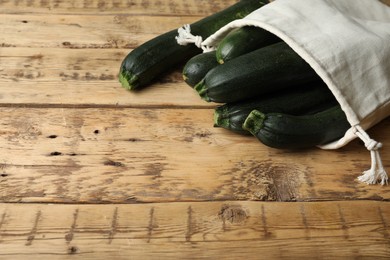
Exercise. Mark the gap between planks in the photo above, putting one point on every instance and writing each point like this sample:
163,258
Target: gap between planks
104,106
197,16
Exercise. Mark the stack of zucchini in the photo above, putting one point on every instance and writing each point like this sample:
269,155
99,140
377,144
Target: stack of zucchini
267,90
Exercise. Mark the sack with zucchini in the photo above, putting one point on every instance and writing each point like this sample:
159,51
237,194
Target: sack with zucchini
343,43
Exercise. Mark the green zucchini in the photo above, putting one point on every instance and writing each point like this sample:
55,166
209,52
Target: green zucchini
262,71
198,66
285,131
243,40
159,54
299,101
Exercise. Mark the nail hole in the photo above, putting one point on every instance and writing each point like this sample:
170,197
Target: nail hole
113,163
135,140
24,21
52,136
55,153
73,250
4,175
96,131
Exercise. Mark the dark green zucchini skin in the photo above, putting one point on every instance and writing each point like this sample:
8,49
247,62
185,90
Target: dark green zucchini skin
300,101
262,71
198,66
285,131
160,54
243,40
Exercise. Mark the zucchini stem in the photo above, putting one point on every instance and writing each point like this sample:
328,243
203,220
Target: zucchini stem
128,80
254,122
221,118
201,88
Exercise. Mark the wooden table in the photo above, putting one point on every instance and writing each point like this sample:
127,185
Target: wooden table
89,170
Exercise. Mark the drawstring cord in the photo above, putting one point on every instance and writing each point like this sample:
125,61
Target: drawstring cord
185,37
377,172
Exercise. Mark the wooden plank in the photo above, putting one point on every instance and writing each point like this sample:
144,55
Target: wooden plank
232,230
136,7
90,30
102,155
83,77
85,31
139,7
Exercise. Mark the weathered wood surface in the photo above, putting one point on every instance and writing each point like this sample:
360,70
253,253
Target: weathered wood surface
89,31
210,230
98,155
81,77
70,135
125,7
77,46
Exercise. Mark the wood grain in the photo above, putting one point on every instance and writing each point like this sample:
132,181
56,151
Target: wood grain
85,31
85,77
231,230
60,56
133,7
145,175
97,155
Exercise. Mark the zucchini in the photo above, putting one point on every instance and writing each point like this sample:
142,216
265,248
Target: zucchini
262,71
243,40
305,100
159,54
198,66
285,131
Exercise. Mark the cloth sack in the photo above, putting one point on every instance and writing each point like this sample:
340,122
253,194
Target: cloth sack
347,43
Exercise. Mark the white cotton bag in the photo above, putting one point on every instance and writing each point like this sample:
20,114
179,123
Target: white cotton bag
347,43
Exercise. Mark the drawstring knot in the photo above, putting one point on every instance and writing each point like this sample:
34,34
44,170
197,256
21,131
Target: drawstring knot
377,172
373,145
185,37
